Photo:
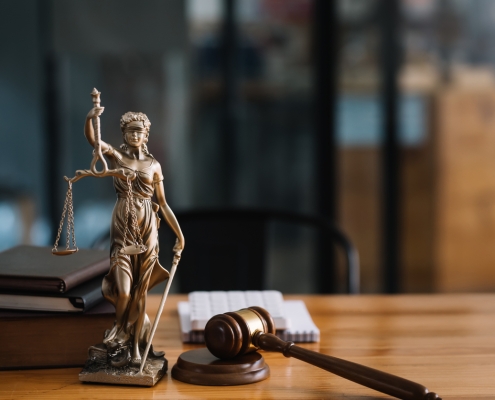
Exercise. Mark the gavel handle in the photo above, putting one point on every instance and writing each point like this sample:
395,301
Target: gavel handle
369,377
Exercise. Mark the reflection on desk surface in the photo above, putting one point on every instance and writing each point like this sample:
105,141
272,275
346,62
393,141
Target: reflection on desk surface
444,342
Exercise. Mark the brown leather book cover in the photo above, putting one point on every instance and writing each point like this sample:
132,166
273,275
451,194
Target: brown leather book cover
32,268
48,340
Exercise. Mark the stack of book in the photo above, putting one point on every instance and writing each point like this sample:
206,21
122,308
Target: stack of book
51,308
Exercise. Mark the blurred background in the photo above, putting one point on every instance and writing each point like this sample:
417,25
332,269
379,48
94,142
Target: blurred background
376,114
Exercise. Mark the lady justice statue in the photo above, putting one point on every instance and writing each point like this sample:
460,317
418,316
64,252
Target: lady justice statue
134,264
131,275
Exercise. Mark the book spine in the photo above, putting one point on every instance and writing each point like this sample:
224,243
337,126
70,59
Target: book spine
99,267
23,284
51,341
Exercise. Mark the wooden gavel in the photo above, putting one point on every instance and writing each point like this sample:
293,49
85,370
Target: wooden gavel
236,333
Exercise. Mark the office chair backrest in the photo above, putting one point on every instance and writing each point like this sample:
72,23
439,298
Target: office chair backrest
227,248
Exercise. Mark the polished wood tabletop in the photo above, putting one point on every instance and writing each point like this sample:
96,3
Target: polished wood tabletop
444,342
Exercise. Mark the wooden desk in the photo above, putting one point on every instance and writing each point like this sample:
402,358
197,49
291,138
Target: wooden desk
444,342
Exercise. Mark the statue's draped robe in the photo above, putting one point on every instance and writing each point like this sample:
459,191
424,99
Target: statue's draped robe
144,270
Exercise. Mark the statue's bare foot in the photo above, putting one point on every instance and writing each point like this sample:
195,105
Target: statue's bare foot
122,336
118,342
136,356
111,334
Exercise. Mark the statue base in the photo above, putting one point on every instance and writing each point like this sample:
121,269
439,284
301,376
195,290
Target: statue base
97,370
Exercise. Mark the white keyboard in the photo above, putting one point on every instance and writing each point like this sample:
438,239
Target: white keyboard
204,305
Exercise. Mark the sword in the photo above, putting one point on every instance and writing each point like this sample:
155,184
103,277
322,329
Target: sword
175,262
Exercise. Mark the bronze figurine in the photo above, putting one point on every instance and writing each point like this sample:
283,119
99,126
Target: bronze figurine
134,264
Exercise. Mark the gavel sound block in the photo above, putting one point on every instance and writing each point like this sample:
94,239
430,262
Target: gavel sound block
233,362
235,335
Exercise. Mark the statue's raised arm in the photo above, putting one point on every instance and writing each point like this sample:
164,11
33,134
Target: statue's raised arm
89,131
93,135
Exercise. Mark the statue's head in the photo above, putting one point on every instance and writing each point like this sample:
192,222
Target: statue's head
131,116
135,121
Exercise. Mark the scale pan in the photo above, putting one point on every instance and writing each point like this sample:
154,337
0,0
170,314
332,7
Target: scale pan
133,249
64,252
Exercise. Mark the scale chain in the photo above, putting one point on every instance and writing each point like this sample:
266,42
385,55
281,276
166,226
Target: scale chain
137,231
67,207
127,206
70,219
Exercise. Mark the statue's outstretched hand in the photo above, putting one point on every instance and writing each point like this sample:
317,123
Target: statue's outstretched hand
95,112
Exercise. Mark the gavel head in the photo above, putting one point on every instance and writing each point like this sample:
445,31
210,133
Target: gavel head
229,335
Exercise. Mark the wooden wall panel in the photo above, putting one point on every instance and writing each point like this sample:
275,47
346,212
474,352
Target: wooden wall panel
417,212
465,190
360,211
